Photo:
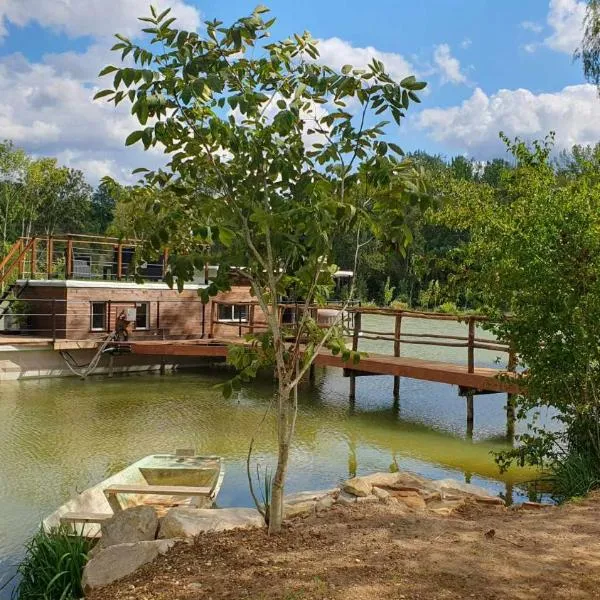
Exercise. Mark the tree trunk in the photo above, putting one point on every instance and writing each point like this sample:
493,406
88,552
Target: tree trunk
285,424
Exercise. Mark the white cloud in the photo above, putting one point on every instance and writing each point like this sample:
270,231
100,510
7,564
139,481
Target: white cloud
94,18
472,127
531,48
466,43
565,17
336,53
50,112
531,26
448,65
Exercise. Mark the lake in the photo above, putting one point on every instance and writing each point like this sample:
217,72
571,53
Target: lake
59,436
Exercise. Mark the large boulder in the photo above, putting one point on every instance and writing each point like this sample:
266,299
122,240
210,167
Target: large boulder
450,487
118,561
183,522
313,495
137,524
358,486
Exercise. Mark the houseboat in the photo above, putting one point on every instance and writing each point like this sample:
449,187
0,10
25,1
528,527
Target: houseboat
65,300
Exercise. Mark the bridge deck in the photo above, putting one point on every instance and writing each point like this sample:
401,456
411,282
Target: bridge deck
482,379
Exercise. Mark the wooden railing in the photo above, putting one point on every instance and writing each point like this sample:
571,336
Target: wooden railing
76,256
353,325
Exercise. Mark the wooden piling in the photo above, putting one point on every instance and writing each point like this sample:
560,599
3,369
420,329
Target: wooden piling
470,415
397,334
355,338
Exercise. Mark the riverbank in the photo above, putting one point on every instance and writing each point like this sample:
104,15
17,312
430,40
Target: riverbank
381,550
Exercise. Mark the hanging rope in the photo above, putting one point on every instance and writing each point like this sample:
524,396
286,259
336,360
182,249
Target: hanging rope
84,371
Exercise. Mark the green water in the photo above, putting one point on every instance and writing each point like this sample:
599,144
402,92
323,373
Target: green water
59,436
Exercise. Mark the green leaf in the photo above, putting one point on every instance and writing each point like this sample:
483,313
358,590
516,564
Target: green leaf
260,9
281,104
107,70
103,93
134,137
346,69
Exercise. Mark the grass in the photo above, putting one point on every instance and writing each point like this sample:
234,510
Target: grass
53,566
574,476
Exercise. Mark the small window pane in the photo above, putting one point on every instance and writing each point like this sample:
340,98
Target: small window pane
98,316
141,315
240,313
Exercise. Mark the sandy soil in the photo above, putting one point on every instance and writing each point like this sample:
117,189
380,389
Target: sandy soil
381,551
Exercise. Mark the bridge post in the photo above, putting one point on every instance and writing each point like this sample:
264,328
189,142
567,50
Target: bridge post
397,334
470,415
355,338
510,401
471,346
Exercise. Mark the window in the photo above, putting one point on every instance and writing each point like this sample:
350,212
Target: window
233,312
98,316
142,315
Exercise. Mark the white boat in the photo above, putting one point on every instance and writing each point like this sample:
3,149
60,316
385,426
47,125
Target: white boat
159,480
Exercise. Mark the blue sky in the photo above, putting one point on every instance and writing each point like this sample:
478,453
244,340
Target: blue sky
490,66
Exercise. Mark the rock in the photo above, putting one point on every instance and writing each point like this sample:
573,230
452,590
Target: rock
137,524
314,495
367,499
358,486
414,502
184,522
532,506
445,508
346,499
381,494
119,560
324,503
381,480
454,486
493,500
299,509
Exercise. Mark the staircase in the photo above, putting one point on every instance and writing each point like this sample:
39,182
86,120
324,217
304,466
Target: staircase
11,270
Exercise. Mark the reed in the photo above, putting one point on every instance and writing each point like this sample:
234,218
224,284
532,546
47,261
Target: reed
53,566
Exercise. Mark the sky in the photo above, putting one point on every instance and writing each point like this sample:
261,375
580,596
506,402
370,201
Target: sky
490,66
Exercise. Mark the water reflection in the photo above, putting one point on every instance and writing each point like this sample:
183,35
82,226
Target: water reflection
58,437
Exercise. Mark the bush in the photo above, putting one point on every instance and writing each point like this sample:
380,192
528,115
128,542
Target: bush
53,566
448,308
399,305
574,476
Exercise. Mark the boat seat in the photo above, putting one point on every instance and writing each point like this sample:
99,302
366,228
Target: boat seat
84,517
166,490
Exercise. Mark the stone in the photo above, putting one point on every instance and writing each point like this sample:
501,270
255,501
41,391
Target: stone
137,524
346,499
493,500
120,560
381,480
371,498
453,486
314,495
445,508
415,502
533,506
324,503
358,486
381,494
184,522
299,509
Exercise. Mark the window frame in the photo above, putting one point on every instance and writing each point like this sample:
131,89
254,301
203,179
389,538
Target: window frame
104,304
146,327
233,318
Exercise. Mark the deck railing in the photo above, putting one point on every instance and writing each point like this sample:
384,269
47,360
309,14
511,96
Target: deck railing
75,256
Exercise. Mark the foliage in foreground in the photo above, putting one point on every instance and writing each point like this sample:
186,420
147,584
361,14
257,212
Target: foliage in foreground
271,154
533,256
53,566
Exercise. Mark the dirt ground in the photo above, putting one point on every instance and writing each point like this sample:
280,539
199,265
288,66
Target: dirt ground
377,551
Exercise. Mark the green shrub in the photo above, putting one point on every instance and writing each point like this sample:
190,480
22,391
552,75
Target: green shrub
399,305
53,566
574,476
448,307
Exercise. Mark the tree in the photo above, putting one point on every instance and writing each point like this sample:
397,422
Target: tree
13,168
264,144
103,208
589,51
534,254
